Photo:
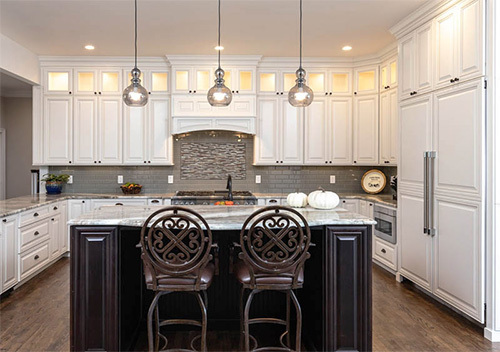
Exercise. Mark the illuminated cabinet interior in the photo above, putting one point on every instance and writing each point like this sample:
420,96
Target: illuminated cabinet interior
276,82
159,82
389,74
366,80
340,83
240,80
317,82
191,80
58,81
110,82
85,82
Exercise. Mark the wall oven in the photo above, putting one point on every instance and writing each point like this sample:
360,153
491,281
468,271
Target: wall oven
386,223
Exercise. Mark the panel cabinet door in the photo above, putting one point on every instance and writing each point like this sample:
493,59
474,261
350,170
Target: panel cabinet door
85,82
318,82
58,81
423,79
316,133
134,139
110,130
181,80
407,66
340,128
415,130
110,82
458,139
446,48
8,258
63,228
85,130
77,207
55,236
459,255
268,82
340,82
159,138
415,246
292,136
350,204
366,130
470,39
388,127
266,145
58,129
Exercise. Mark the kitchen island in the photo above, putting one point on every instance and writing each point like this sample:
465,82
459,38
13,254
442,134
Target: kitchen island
108,298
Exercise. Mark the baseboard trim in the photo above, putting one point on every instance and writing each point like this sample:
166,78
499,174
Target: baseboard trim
492,335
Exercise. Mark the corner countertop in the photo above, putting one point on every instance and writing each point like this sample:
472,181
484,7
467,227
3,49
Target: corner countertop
17,205
217,217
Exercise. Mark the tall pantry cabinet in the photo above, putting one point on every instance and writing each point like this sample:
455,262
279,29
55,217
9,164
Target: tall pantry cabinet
441,194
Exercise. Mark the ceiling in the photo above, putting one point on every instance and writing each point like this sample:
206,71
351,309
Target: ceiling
257,27
11,86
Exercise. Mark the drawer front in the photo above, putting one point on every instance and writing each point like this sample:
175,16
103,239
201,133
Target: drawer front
33,215
384,253
33,260
33,234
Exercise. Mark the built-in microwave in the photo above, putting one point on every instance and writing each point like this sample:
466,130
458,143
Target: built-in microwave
386,223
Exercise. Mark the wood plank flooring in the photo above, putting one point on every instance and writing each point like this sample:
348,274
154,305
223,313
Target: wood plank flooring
35,317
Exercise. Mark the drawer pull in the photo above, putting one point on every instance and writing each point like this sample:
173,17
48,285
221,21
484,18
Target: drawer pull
4,220
155,201
37,257
119,204
35,215
383,250
273,201
55,208
36,233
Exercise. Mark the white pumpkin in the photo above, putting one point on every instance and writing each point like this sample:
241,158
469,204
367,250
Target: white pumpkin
297,200
322,199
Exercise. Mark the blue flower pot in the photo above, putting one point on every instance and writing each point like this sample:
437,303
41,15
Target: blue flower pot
53,187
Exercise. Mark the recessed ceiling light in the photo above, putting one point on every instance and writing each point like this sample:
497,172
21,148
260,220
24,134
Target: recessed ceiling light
219,48
89,47
347,48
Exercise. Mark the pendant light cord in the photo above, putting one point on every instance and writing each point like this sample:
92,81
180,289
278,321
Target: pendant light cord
218,34
135,33
300,64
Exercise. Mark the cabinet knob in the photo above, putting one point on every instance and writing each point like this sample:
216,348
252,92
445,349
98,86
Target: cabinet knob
277,162
273,201
194,91
37,257
69,92
354,161
4,220
36,233
281,161
330,161
55,208
326,93
100,93
70,161
237,92
452,80
149,162
145,161
281,93
277,93
99,161
331,93
149,93
52,219
95,161
371,204
383,250
355,93
343,201
457,79
326,162
190,91
232,91
95,92
83,201
35,215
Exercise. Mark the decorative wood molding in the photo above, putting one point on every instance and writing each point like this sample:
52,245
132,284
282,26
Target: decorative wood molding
234,124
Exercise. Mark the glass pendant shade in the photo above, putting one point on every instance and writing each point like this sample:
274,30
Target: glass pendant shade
219,95
300,95
135,94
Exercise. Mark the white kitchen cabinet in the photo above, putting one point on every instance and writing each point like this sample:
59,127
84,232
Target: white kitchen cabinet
385,253
317,80
97,130
316,132
340,131
58,80
159,143
240,80
366,129
339,82
389,74
63,227
276,82
389,127
460,43
55,236
135,136
279,139
195,106
366,80
366,208
97,82
8,252
192,80
351,205
416,62
58,128
77,207
96,203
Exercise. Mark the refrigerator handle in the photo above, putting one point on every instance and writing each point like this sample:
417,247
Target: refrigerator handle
431,156
426,193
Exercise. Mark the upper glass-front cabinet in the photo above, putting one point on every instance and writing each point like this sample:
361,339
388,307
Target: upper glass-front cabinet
58,81
366,80
332,82
240,80
276,82
158,82
97,82
389,74
193,80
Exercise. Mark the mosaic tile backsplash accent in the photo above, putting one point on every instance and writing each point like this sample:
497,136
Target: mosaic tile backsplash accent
213,161
275,179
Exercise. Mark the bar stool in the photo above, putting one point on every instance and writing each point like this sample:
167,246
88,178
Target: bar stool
274,244
176,246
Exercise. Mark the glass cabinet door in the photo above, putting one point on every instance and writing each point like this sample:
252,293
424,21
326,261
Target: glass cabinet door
158,82
110,82
393,73
182,79
246,81
58,81
366,80
317,82
204,79
85,82
384,77
340,82
287,81
268,82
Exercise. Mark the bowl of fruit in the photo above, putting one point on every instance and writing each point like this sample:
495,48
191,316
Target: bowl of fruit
131,188
225,202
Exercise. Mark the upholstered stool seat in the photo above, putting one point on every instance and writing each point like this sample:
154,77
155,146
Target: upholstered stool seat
281,282
166,282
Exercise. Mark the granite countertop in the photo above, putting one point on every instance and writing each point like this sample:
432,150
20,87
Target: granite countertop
217,217
385,199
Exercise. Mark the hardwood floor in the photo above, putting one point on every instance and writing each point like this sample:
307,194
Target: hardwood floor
35,317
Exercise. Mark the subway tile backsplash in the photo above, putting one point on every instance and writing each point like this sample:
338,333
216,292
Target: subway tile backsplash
275,179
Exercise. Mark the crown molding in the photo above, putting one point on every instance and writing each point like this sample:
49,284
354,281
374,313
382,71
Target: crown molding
187,60
419,17
93,61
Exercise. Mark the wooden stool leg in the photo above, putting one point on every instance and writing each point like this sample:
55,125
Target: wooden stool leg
203,322
299,321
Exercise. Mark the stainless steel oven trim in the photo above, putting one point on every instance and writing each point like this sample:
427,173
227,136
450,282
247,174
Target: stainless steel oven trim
389,215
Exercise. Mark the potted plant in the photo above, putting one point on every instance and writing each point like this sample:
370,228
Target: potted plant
54,183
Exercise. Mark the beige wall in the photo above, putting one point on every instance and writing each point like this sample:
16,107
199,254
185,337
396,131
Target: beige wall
16,118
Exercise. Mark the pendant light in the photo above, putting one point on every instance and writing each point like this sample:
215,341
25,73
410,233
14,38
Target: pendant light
219,94
300,95
135,94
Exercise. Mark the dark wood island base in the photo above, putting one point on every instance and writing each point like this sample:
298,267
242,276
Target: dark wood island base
108,298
